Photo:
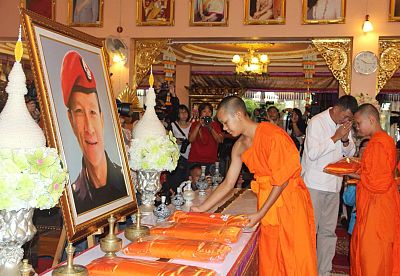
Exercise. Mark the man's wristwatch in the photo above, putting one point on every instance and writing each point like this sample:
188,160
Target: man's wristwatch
345,141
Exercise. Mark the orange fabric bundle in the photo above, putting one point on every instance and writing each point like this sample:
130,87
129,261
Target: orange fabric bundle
207,218
352,181
343,166
127,267
166,247
223,234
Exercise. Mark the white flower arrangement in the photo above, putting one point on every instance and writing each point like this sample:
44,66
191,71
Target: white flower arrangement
154,153
30,178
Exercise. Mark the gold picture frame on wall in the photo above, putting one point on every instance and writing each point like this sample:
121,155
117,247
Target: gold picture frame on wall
258,13
205,13
394,10
324,12
155,13
85,13
45,8
81,122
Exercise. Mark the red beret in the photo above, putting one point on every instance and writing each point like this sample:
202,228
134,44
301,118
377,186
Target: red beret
76,76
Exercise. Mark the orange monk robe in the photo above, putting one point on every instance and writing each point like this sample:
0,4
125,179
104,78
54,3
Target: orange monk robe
375,244
287,244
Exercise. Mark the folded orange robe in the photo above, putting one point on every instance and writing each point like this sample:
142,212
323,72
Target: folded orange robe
375,244
223,234
127,267
171,248
208,218
343,166
287,243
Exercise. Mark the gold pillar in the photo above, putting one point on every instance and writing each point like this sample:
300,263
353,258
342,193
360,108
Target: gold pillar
337,54
146,52
389,61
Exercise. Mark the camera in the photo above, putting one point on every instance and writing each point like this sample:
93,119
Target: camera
184,145
123,109
207,120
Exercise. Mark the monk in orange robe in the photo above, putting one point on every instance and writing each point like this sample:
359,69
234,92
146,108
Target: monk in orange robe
375,244
287,244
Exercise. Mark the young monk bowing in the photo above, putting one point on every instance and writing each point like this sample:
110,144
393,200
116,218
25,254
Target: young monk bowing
287,239
375,244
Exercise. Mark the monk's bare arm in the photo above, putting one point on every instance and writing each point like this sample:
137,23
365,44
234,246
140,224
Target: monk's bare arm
228,183
273,196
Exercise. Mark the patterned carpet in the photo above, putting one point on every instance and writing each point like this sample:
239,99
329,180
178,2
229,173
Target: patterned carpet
341,262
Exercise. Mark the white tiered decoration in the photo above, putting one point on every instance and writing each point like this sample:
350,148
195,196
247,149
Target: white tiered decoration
18,128
18,131
148,127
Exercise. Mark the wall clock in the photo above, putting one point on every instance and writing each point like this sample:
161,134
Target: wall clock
365,62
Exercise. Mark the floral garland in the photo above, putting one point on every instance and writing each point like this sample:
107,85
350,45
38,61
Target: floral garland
154,153
30,178
363,98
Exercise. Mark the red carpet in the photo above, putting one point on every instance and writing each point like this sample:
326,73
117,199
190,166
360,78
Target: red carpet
341,261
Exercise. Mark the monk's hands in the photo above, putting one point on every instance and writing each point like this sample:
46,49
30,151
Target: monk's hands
254,219
197,209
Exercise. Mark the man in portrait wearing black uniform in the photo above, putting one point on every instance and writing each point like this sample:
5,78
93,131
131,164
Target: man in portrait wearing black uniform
100,181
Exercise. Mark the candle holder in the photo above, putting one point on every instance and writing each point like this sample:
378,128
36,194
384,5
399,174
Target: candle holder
111,243
70,269
133,232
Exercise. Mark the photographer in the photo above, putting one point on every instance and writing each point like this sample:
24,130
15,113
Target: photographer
205,136
180,129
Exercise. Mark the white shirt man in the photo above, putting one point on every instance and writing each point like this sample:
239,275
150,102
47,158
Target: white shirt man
327,141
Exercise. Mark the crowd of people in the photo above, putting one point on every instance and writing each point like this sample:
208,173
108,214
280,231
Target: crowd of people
298,202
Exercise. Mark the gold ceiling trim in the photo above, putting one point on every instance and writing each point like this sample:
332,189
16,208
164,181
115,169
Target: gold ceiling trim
337,54
146,52
389,61
198,50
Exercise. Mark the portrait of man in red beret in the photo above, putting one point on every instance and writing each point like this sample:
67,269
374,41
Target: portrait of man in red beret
100,180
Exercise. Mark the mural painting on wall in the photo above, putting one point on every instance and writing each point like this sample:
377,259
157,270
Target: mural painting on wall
394,14
324,11
45,8
260,12
208,13
85,13
155,12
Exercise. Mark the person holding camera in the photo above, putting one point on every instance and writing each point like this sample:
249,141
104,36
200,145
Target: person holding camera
205,135
180,129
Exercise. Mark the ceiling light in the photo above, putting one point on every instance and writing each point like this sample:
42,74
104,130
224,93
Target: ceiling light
251,63
367,26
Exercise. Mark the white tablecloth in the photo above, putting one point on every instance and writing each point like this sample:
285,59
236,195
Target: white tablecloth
245,203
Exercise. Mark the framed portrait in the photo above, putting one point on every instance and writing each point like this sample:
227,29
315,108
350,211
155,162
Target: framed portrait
264,12
81,121
46,8
324,12
208,13
155,12
85,13
394,10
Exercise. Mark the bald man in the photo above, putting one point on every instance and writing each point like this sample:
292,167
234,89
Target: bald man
287,240
375,244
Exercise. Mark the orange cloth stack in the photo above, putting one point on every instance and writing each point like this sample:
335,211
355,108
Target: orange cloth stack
343,166
223,234
170,248
127,267
208,218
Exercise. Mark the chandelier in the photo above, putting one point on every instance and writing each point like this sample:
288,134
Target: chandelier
251,63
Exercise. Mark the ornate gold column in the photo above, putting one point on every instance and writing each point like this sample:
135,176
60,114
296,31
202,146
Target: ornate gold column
389,61
146,52
337,54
